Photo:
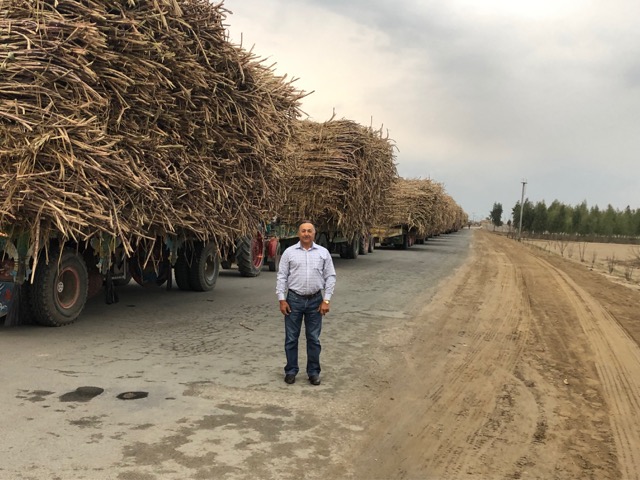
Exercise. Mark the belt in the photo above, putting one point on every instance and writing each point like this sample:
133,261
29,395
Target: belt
306,296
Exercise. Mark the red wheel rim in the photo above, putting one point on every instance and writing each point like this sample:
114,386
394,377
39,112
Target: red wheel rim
67,288
257,250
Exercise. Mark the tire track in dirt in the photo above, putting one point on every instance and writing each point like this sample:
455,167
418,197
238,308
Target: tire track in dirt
449,421
483,378
618,366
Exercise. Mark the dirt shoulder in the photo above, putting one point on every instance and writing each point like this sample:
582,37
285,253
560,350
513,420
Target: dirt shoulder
523,365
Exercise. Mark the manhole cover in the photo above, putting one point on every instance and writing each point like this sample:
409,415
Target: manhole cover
81,394
133,395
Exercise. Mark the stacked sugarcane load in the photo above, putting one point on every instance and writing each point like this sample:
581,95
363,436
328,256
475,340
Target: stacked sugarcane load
422,205
136,120
339,173
455,217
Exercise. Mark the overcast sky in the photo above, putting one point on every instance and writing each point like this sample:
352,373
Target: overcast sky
477,94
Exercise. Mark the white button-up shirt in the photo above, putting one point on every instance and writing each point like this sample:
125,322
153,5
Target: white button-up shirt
306,271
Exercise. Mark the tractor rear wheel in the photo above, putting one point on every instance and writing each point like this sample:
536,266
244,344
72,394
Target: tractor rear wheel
250,255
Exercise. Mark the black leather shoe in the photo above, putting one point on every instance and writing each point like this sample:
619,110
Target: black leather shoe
290,378
314,380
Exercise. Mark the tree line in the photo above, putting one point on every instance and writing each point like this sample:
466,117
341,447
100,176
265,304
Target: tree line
539,219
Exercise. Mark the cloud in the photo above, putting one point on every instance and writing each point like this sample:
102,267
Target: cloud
477,95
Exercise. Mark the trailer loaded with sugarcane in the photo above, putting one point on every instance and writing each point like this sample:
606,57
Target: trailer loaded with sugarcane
135,141
339,171
413,211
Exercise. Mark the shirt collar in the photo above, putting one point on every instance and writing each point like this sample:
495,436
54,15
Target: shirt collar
313,245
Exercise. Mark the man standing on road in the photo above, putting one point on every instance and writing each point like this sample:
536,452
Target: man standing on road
306,269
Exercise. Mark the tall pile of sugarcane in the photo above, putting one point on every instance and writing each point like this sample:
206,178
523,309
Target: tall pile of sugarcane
136,119
339,173
422,205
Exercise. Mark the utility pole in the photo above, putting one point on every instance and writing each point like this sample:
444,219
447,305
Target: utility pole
524,182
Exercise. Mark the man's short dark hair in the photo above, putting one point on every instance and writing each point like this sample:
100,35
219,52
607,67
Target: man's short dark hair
306,221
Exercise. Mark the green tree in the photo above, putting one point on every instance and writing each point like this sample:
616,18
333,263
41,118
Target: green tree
557,217
626,222
579,219
527,215
496,215
635,223
594,220
539,224
609,223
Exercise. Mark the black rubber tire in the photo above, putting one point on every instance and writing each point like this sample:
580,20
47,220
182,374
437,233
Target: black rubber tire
249,264
59,290
204,268
353,248
275,263
157,271
372,244
404,245
181,270
363,245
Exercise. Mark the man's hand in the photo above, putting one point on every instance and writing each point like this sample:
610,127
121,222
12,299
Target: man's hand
284,307
324,308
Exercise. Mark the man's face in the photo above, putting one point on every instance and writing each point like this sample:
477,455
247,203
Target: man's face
306,233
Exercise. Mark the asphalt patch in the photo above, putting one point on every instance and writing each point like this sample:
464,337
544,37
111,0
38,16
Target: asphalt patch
81,394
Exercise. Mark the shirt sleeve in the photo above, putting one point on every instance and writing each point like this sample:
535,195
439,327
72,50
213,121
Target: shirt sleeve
282,275
329,277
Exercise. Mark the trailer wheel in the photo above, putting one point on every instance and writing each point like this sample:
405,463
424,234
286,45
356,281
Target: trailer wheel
353,248
250,255
363,248
157,270
204,268
405,243
59,289
372,244
181,270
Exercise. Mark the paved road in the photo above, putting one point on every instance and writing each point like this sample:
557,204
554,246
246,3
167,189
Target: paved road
211,365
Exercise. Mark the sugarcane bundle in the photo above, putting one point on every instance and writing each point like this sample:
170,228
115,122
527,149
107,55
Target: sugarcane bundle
339,172
136,119
420,204
453,217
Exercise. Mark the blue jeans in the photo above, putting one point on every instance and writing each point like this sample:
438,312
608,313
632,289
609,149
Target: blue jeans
307,309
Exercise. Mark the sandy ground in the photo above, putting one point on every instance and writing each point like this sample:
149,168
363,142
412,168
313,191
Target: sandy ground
618,262
526,366
470,357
